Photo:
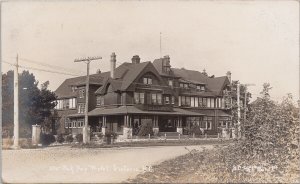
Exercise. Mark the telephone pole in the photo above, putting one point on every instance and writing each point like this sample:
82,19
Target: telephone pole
85,130
16,105
238,111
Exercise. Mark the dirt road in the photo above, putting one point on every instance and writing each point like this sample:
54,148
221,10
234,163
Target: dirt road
70,165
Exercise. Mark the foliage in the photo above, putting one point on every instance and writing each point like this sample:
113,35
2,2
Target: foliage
146,129
196,130
35,104
47,139
267,153
60,138
69,138
111,134
79,137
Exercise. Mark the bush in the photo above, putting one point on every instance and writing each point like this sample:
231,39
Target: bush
146,129
79,137
195,130
47,139
69,138
60,138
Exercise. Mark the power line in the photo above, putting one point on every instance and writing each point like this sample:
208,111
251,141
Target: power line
44,70
48,65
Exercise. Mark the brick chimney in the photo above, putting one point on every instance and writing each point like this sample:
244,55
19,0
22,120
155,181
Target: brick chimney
229,76
112,65
136,59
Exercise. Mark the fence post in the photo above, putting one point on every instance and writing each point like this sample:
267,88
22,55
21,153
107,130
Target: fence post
179,136
165,137
193,135
205,136
149,137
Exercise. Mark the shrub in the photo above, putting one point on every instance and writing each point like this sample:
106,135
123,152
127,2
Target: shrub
60,138
47,139
196,130
79,137
146,129
69,138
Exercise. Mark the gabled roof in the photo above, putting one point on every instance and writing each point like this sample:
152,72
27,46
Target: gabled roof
190,75
65,89
217,84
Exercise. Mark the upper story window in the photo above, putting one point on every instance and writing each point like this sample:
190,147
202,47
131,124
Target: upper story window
170,82
156,98
81,108
69,103
81,93
184,85
139,98
74,88
167,100
200,87
147,80
100,100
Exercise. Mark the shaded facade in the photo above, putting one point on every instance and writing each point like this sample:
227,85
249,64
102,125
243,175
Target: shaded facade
135,93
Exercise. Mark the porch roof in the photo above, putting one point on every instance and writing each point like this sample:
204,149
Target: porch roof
133,110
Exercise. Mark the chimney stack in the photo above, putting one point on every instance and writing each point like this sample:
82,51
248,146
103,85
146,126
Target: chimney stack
229,76
112,65
136,59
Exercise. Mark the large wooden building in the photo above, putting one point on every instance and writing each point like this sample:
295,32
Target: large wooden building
121,100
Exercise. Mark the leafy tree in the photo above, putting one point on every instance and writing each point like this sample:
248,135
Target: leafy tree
35,104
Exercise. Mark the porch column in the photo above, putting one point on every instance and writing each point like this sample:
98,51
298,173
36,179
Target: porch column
127,129
104,125
179,125
155,126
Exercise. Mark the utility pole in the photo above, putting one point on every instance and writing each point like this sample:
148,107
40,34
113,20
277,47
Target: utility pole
160,44
85,131
238,111
16,105
245,103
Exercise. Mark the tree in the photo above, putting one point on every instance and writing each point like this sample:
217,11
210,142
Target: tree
34,104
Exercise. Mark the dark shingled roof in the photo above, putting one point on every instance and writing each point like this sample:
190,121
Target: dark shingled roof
65,89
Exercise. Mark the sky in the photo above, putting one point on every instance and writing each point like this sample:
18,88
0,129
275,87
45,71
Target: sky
258,41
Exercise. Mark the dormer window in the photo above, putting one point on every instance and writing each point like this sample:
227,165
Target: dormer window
184,85
200,87
147,80
74,88
81,93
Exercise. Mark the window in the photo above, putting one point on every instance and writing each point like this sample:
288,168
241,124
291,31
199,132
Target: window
193,101
139,98
196,102
208,125
74,88
159,98
179,100
147,80
181,85
81,93
156,98
188,101
202,88
167,100
204,102
100,100
212,102
72,103
171,83
81,108
186,85
173,100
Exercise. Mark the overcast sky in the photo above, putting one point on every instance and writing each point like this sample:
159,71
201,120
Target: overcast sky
258,41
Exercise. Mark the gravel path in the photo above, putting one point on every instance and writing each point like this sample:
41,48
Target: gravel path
72,165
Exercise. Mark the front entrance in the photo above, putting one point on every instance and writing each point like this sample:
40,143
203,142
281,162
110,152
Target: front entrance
167,124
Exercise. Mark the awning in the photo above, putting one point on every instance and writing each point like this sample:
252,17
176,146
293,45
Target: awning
133,110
